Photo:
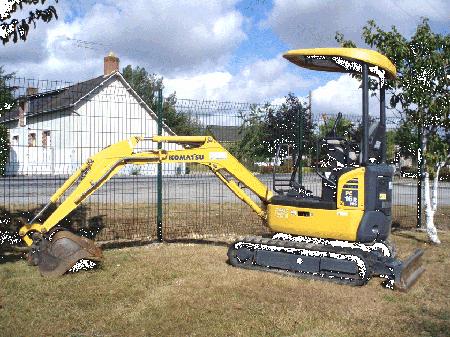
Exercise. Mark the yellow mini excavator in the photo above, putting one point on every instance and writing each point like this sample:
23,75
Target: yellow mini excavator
340,236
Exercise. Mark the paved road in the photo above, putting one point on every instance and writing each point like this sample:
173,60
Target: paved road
188,188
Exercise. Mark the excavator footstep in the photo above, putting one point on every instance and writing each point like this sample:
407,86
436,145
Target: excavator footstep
66,249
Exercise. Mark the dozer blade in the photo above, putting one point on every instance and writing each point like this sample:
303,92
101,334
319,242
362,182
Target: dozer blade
407,273
66,249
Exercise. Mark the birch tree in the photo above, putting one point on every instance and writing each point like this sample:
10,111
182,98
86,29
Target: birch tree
422,91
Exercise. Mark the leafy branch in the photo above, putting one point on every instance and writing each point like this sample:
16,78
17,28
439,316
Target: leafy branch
19,29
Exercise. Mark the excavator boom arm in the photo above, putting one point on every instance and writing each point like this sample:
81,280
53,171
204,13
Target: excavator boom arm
105,164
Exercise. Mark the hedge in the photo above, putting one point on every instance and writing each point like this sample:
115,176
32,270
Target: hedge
279,169
411,172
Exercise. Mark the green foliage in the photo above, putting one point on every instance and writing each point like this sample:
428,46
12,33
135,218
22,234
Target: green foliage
284,126
436,155
345,128
183,124
422,66
146,86
342,129
6,92
278,169
407,138
422,87
444,174
264,128
255,143
18,29
391,150
344,43
409,172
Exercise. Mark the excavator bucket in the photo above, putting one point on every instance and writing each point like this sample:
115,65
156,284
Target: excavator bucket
63,251
407,273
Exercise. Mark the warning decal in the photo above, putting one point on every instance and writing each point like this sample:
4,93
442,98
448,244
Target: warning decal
281,212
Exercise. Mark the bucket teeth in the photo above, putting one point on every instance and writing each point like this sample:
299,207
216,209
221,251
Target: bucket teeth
64,250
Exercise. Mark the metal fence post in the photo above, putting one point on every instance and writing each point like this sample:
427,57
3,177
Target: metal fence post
159,216
419,177
300,144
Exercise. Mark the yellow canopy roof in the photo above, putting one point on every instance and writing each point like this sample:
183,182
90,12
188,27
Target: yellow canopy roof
343,60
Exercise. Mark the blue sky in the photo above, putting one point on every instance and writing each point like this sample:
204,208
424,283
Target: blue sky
226,50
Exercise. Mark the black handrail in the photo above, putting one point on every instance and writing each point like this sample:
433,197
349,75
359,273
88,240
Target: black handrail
292,181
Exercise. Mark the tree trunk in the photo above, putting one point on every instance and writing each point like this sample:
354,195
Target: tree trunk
430,209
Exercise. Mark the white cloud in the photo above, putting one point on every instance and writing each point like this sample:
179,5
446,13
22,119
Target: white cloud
263,80
207,86
343,95
432,9
337,96
313,24
166,37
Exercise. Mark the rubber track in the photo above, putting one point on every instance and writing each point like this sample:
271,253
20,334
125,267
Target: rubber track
288,245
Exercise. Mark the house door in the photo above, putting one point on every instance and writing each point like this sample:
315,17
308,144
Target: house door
48,153
12,167
14,150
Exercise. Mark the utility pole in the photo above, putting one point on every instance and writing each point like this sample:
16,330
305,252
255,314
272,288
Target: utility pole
310,105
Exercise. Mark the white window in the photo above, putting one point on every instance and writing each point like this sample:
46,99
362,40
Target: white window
32,140
46,140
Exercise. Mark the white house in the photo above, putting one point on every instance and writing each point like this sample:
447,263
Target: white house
54,132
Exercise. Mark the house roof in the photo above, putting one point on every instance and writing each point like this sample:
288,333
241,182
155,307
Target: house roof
54,100
67,97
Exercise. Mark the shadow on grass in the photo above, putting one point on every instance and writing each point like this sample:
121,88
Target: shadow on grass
117,244
200,242
403,224
12,254
408,233
13,248
405,230
435,321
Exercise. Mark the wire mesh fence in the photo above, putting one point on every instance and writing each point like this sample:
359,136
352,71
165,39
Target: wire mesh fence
54,127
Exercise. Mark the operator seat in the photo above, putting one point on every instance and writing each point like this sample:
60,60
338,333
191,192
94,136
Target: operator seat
336,148
376,132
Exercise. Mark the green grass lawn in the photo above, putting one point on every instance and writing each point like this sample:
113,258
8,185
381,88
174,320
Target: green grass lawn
189,289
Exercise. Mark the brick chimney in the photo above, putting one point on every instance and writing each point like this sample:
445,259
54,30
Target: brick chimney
23,111
23,105
32,91
111,63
